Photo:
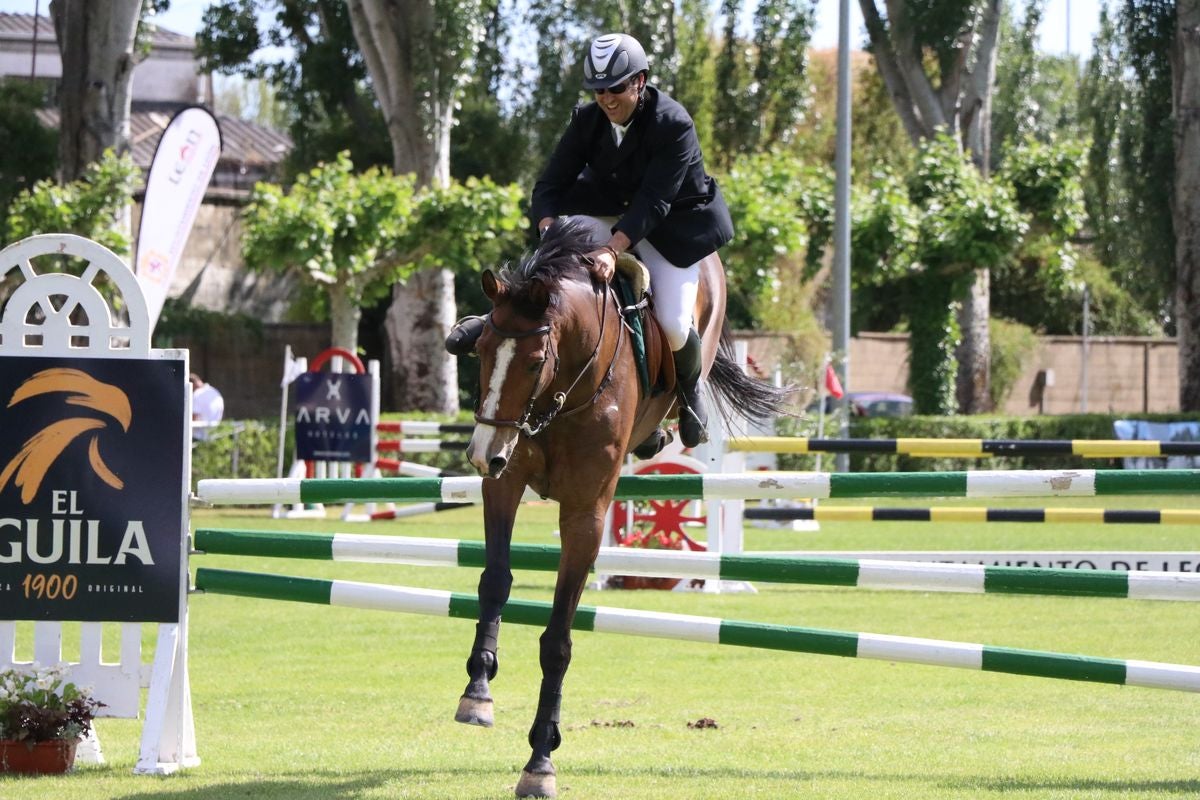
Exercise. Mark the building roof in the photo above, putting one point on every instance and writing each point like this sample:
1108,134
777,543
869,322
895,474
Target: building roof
242,143
19,27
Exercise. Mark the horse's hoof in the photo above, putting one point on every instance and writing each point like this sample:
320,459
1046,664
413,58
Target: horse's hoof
474,712
537,784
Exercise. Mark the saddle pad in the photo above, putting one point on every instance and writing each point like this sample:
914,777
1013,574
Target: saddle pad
630,283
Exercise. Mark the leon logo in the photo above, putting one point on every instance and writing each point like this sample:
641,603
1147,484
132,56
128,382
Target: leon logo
39,453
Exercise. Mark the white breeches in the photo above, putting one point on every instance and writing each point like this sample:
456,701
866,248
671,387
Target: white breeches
673,288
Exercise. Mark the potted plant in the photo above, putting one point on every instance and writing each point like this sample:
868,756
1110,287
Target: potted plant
42,719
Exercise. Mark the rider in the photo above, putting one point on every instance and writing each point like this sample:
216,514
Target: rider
630,164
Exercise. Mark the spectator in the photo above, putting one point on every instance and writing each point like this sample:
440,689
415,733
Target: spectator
207,406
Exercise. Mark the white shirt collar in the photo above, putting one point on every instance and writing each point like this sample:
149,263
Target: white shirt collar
620,130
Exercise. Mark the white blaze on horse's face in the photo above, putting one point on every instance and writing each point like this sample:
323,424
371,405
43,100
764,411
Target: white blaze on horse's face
490,446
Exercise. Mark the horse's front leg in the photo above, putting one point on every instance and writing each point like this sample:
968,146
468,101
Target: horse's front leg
580,530
501,498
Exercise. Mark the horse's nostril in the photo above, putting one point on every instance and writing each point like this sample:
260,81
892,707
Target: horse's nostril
497,465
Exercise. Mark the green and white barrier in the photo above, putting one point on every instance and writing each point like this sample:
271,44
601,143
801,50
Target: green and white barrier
753,486
861,573
711,630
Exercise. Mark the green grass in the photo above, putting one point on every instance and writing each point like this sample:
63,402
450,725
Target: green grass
318,703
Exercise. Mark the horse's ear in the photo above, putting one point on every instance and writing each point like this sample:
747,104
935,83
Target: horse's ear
539,294
491,287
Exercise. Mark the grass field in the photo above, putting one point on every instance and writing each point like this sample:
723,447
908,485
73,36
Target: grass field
310,702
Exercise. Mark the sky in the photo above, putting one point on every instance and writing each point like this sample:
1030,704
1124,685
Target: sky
1084,15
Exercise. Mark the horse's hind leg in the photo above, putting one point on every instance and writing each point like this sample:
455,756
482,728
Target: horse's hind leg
580,534
500,501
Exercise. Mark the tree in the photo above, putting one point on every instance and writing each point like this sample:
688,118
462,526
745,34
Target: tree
1185,96
762,83
310,59
1147,149
96,40
89,206
487,140
22,167
419,55
922,240
938,59
1035,94
354,235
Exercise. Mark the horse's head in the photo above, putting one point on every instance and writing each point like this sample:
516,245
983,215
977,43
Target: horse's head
519,349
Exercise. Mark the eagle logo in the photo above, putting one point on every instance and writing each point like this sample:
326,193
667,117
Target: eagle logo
28,468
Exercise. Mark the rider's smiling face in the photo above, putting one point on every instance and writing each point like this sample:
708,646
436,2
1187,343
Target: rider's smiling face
619,106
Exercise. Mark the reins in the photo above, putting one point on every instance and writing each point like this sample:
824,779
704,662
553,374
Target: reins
532,424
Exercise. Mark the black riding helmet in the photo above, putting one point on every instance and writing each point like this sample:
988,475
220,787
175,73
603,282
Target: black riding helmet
612,59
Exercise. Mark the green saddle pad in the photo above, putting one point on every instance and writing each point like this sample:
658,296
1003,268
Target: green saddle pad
631,309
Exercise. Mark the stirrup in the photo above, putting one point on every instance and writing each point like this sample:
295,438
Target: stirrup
464,334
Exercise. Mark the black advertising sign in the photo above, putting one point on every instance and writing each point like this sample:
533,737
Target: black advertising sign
333,417
91,488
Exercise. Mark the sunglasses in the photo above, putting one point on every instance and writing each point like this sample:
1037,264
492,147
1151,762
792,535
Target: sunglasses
620,88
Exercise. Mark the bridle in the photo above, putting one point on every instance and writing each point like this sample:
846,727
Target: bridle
531,423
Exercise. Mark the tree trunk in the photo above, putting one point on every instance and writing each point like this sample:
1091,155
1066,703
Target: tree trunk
1185,58
974,350
414,76
95,39
961,104
423,376
344,315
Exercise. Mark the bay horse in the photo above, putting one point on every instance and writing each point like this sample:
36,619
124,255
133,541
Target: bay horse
559,406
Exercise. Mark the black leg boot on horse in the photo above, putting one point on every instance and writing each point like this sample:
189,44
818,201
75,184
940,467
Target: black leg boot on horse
693,417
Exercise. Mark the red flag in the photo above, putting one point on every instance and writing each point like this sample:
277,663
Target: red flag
832,384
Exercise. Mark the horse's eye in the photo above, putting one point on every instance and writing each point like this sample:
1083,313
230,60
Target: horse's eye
536,366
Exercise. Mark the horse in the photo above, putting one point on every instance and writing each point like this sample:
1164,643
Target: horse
559,406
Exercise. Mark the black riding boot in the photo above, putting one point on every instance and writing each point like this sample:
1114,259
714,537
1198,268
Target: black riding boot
693,418
462,338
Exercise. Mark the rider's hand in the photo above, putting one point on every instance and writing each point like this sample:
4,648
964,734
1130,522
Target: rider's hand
602,263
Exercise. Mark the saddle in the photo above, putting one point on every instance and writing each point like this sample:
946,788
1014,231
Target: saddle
652,351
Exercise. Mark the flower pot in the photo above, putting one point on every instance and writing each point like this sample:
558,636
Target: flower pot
53,757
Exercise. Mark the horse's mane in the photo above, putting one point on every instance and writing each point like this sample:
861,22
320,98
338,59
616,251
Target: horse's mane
559,255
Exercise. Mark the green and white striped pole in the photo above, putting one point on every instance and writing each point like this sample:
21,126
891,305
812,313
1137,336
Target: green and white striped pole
861,573
712,630
750,486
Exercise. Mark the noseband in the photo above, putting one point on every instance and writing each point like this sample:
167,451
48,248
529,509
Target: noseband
531,423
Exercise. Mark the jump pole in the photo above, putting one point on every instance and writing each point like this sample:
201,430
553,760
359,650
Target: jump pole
861,573
711,630
755,486
420,427
1054,516
966,448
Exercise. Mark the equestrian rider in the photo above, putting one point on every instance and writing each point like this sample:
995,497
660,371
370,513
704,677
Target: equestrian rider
630,166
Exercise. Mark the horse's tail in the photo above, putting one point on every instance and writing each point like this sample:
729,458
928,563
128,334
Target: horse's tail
736,392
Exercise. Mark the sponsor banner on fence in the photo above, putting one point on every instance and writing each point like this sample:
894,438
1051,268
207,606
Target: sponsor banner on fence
333,417
91,465
183,164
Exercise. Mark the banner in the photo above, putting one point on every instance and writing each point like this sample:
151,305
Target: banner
1140,429
91,465
333,417
179,174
